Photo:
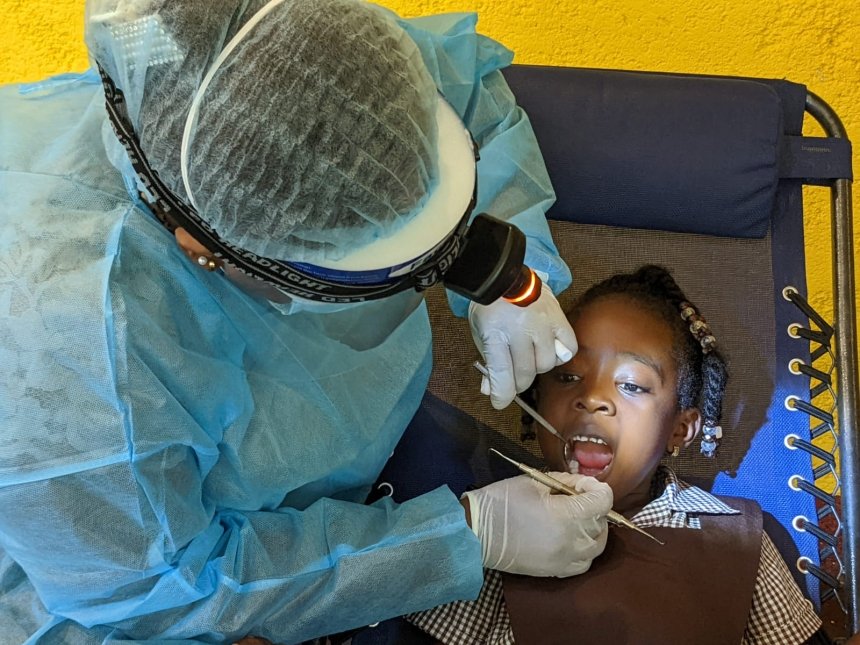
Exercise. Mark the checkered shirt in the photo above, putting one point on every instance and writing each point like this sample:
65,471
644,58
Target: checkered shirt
779,615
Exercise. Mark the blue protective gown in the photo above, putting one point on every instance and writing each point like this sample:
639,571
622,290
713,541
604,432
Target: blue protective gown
177,459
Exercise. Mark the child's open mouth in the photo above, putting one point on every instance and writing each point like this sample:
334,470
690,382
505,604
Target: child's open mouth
588,455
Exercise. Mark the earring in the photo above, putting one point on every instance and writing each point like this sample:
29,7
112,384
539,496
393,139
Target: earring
676,450
207,263
711,434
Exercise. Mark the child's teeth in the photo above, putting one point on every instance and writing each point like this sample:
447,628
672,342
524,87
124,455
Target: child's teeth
591,439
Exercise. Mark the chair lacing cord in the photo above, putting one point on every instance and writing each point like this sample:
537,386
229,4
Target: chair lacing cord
820,407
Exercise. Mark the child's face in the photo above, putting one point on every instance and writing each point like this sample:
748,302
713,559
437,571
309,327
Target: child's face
615,401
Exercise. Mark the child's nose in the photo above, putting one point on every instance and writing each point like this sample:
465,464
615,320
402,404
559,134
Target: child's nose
595,401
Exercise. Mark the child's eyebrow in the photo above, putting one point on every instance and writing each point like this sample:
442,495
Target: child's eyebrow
645,360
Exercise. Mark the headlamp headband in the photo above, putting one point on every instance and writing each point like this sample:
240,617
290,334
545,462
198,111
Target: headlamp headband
298,279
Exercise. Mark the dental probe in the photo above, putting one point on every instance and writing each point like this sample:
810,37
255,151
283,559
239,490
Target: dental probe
616,518
531,411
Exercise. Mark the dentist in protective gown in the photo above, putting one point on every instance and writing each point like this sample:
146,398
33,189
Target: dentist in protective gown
212,251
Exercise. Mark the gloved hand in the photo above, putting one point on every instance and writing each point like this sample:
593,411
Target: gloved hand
518,343
526,528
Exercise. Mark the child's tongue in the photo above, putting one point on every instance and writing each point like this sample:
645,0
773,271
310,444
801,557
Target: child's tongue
592,457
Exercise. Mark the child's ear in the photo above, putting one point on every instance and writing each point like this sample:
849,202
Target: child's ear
688,424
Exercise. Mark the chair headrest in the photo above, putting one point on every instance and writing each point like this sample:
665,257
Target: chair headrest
669,152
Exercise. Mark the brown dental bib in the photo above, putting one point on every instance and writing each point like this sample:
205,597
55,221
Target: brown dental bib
696,589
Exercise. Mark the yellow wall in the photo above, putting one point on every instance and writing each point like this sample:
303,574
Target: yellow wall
813,43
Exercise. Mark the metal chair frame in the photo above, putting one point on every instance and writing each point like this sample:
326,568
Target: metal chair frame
847,395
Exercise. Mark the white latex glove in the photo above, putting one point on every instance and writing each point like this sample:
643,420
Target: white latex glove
526,528
518,343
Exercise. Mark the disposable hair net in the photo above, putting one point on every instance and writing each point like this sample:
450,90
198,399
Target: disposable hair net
315,136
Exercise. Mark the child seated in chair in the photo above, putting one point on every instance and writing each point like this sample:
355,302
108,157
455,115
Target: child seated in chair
647,380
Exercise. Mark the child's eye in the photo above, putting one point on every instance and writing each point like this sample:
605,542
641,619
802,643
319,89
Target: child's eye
632,388
567,377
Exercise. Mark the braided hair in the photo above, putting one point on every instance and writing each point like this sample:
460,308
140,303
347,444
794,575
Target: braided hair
702,373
